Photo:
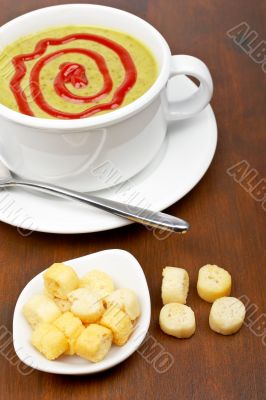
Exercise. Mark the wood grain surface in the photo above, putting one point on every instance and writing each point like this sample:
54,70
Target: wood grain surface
228,229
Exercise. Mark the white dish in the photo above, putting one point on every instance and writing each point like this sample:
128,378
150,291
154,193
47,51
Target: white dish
126,272
66,152
182,161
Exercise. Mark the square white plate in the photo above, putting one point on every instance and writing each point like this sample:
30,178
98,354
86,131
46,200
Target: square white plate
125,272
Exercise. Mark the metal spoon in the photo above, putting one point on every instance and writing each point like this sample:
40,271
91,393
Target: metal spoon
133,213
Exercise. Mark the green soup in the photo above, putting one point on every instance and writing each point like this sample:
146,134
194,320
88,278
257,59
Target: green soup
74,72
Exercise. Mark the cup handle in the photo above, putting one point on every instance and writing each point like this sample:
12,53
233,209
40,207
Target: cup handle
188,65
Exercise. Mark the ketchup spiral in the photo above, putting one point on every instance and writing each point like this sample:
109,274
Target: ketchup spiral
73,73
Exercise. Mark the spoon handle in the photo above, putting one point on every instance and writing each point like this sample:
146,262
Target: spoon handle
133,213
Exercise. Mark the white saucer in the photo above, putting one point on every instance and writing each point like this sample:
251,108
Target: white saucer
183,160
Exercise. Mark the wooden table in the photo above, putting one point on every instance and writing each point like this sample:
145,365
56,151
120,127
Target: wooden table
228,228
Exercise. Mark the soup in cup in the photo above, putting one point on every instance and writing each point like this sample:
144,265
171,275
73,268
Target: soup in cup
83,99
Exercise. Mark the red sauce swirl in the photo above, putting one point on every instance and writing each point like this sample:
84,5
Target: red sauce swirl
73,73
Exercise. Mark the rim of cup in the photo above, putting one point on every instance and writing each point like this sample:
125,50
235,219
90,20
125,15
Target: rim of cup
101,120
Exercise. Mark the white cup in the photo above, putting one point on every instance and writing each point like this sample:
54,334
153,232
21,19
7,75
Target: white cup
97,152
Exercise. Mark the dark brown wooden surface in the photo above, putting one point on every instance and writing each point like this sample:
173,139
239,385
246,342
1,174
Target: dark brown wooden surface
228,228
